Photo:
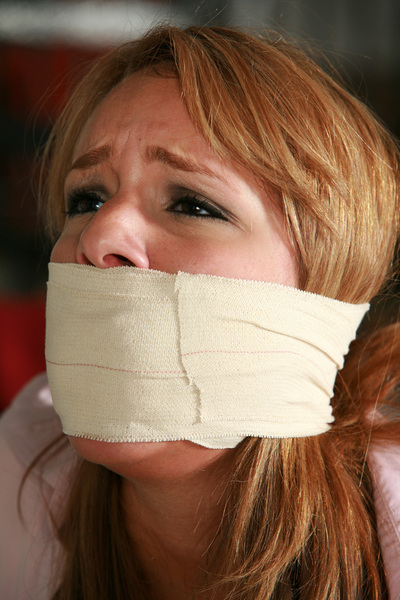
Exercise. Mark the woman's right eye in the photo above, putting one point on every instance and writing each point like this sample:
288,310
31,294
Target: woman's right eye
83,201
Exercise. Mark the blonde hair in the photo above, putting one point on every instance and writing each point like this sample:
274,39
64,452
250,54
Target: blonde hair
299,514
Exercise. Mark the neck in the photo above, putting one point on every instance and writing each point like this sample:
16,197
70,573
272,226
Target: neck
173,523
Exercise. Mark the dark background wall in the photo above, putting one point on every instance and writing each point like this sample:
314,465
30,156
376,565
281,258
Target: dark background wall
44,45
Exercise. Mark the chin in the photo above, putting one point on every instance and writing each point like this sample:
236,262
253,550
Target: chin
148,460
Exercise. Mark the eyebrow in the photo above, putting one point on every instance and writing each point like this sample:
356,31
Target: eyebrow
92,158
159,154
153,154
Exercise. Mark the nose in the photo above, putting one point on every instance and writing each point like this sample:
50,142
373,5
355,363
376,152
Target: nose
115,237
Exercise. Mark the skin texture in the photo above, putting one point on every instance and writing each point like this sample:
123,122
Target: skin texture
132,197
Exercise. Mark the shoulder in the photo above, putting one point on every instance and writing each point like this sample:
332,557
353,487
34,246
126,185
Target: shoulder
384,463
27,539
30,423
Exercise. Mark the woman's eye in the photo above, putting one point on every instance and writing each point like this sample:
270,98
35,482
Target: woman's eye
80,202
192,206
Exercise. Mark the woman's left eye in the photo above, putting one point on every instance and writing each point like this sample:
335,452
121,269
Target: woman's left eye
193,206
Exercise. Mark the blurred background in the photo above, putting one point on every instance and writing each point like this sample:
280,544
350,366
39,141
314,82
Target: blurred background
46,45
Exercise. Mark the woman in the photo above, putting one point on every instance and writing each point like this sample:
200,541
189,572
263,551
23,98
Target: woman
188,154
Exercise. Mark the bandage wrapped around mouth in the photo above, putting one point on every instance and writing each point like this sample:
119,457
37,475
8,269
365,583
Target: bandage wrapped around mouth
139,355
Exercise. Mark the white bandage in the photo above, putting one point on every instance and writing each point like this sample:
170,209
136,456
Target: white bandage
139,355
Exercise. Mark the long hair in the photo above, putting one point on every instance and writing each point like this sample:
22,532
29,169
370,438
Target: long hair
299,519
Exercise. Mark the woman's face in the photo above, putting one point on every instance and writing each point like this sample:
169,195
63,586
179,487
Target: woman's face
145,189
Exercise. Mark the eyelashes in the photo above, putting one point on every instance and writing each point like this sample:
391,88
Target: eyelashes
191,205
183,203
82,201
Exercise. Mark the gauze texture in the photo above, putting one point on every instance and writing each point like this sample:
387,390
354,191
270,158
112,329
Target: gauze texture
139,355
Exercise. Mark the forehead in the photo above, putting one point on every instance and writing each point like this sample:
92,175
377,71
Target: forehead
144,105
147,111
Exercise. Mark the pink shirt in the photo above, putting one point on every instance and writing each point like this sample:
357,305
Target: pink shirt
28,552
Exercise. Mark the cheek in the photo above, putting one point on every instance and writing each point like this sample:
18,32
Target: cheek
272,258
172,254
281,265
258,257
64,250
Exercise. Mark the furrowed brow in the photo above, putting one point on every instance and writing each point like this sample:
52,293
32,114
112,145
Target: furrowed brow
92,158
157,153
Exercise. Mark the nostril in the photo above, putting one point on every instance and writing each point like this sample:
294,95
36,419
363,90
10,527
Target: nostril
125,261
106,248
